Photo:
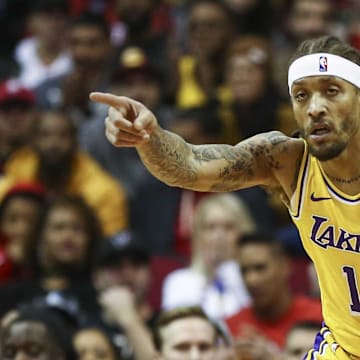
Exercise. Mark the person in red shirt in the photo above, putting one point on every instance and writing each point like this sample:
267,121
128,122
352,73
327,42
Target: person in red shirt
260,330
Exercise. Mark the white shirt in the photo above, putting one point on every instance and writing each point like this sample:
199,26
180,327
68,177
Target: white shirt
220,299
32,70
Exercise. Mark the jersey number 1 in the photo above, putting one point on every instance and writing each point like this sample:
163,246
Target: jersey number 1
354,291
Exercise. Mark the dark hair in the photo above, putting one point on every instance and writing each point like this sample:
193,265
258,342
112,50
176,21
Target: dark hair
56,328
105,333
25,190
92,227
262,238
167,317
206,116
328,44
90,19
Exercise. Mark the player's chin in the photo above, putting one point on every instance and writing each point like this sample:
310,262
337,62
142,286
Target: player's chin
326,151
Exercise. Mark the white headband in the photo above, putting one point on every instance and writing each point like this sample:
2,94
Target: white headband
321,64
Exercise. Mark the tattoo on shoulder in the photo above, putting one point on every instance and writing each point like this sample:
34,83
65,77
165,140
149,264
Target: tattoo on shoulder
240,161
276,137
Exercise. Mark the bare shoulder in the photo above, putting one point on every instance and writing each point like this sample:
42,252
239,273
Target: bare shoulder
281,147
274,147
282,155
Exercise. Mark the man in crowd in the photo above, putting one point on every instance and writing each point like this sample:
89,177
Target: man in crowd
260,329
186,333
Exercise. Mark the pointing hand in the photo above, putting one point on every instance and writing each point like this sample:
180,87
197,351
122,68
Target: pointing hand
129,123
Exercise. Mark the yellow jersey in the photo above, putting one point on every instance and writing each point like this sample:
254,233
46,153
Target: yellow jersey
328,221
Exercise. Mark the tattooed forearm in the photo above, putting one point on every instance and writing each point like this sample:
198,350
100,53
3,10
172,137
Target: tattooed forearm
212,167
168,159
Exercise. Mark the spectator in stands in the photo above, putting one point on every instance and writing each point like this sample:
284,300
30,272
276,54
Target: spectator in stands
252,16
301,19
19,212
300,338
91,52
17,113
43,54
93,343
146,24
260,330
186,333
307,19
35,334
62,254
198,125
55,161
134,75
122,279
353,29
200,69
12,29
251,101
213,280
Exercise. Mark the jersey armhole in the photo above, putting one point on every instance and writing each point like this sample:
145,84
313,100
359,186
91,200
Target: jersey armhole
296,199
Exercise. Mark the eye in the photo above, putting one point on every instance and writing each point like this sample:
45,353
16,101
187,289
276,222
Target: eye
332,91
203,347
183,347
300,96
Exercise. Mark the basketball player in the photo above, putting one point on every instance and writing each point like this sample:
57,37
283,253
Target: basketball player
317,175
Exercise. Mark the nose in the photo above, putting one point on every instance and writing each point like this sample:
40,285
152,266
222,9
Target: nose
253,279
194,353
21,228
316,107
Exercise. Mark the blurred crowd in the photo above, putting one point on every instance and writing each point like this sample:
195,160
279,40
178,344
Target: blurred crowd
98,259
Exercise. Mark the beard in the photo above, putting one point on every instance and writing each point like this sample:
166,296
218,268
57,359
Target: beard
325,153
55,175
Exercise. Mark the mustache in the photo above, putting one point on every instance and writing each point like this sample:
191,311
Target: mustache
318,123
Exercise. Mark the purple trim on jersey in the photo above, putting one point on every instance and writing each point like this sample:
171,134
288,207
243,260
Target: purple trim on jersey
318,340
305,171
336,193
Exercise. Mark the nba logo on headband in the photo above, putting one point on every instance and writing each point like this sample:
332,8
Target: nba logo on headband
323,64
318,65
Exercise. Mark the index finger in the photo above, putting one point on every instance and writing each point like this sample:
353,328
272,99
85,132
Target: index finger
110,99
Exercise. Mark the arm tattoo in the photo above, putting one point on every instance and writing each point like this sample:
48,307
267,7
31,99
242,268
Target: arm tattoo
240,168
168,159
177,163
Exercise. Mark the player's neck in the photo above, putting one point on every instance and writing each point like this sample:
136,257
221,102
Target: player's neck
344,171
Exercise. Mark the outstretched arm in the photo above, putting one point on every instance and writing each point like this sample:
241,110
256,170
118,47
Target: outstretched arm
259,160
